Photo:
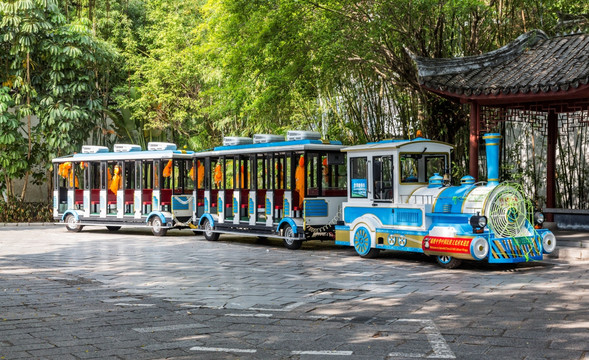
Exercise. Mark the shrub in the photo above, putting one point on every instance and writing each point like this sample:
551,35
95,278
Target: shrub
20,211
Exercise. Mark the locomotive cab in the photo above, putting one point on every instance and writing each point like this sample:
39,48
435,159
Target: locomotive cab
382,177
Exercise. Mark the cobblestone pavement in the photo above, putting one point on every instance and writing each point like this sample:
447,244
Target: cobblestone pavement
129,295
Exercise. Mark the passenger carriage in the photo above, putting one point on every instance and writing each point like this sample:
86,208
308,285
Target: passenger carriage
399,199
126,187
269,186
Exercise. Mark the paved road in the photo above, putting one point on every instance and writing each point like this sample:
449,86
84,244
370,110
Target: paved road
129,295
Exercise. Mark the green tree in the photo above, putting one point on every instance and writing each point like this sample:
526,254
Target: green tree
53,69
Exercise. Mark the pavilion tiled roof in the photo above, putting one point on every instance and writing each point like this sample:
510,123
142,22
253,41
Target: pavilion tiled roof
531,64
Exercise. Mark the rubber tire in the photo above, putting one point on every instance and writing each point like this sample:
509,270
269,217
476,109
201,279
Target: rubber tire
290,244
448,262
157,227
71,224
206,231
372,253
113,228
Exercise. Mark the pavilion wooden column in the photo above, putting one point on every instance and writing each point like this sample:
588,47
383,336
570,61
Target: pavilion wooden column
552,130
473,148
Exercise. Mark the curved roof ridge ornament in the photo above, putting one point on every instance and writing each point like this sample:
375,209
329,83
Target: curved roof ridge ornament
446,66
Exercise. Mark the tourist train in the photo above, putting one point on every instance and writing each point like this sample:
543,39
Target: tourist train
386,195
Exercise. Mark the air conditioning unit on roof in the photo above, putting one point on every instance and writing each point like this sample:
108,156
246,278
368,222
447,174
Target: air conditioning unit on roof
93,149
126,147
267,138
159,146
302,135
236,140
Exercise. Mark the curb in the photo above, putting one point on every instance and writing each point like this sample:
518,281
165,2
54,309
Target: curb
570,254
26,224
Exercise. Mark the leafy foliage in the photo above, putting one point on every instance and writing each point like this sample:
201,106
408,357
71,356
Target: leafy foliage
51,70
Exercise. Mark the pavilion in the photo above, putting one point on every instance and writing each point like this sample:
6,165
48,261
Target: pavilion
535,77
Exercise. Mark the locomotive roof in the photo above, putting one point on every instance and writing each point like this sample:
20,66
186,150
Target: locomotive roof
398,144
282,146
127,155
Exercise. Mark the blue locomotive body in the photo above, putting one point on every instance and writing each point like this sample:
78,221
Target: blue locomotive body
399,201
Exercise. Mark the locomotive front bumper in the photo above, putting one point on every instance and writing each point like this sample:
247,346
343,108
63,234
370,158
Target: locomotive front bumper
494,250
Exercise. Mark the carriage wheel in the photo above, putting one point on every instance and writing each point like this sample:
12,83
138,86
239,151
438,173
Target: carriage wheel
157,227
290,244
208,231
448,262
71,224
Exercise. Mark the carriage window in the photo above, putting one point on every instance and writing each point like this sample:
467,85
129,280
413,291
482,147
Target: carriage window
185,178
358,178
129,175
114,176
299,179
382,170
229,174
78,181
279,172
261,172
147,172
333,175
242,169
409,163
313,174
168,174
198,175
216,174
435,164
94,174
287,172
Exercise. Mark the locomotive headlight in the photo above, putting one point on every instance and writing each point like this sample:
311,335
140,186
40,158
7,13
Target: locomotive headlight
478,223
538,218
548,242
479,248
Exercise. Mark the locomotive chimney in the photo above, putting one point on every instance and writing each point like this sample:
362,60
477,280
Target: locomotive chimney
492,146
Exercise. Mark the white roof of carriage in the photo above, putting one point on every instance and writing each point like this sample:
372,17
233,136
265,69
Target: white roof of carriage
128,155
283,146
430,145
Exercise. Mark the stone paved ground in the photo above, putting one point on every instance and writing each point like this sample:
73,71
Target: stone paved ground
129,295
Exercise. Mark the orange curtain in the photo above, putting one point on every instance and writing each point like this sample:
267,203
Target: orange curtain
218,175
115,184
300,180
168,170
201,174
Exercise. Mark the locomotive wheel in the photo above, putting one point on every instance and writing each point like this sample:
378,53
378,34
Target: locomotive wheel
448,262
113,228
71,224
363,242
157,227
290,243
208,231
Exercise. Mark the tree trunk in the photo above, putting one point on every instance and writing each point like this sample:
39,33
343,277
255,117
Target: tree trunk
26,182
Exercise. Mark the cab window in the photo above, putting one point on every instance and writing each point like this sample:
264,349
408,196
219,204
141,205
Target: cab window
435,164
358,177
409,168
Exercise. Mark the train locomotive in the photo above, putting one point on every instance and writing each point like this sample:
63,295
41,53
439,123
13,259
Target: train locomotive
399,201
